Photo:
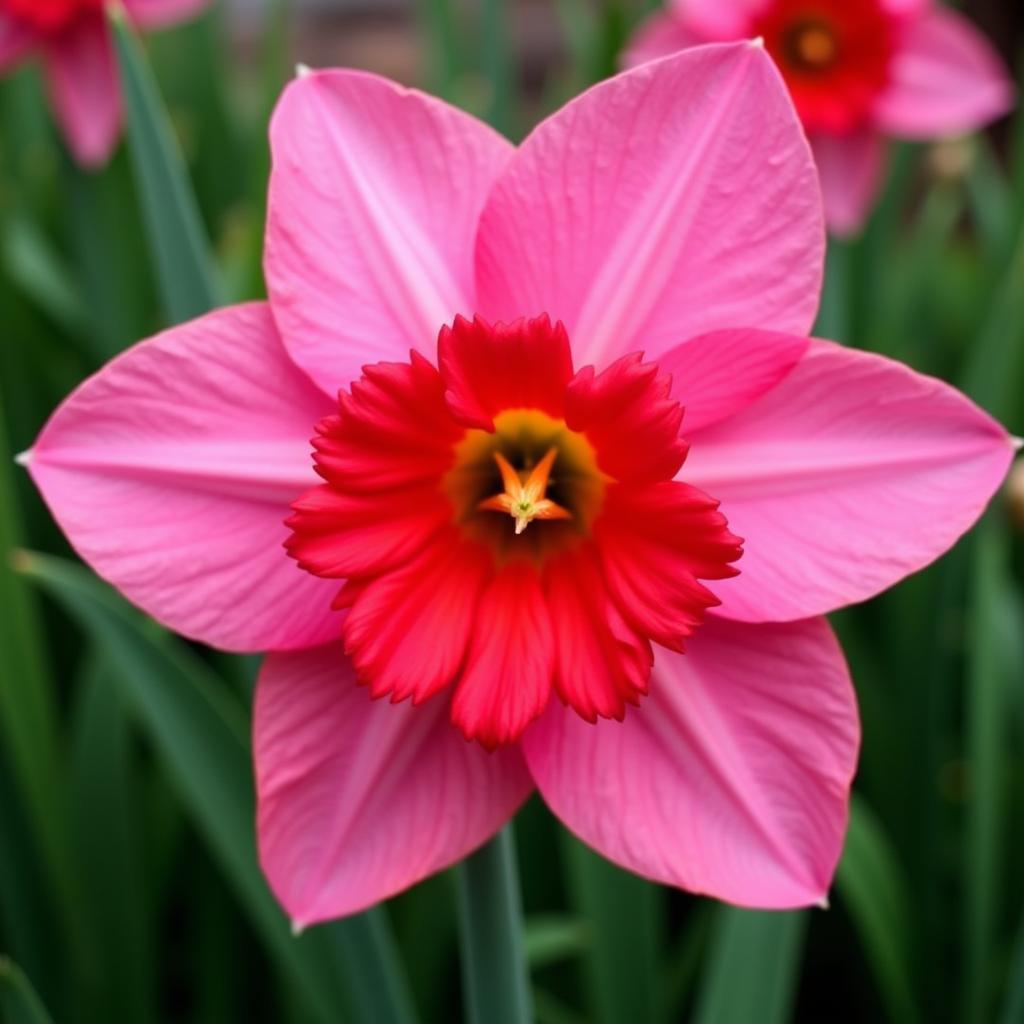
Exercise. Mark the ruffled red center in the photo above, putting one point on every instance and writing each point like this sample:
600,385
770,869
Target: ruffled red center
834,55
510,528
50,15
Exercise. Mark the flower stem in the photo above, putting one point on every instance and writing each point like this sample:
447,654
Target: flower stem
494,977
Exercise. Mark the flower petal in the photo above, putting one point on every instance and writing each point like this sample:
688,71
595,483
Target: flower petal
375,196
946,79
508,675
85,89
659,35
852,473
382,456
677,198
630,418
359,799
718,374
407,630
714,20
851,169
656,543
171,472
488,369
15,41
601,663
732,778
160,13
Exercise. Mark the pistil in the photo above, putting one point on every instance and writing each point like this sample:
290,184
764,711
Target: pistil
525,500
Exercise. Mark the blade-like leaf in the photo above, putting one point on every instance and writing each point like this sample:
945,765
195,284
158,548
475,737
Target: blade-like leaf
987,699
201,737
18,999
184,265
549,938
108,847
753,967
871,885
28,720
624,914
495,982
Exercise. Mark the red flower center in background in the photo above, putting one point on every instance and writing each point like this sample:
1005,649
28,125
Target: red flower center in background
834,55
509,527
50,15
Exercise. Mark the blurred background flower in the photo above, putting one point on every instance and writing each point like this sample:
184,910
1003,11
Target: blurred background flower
857,72
73,41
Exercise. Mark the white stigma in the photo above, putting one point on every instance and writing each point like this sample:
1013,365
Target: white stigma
23,458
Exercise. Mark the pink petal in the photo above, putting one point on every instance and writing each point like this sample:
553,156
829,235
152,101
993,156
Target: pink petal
677,198
359,799
630,418
659,35
851,169
718,20
510,664
601,663
719,374
489,369
15,41
905,8
383,457
946,79
656,543
375,196
85,89
160,13
171,472
407,631
731,779
852,473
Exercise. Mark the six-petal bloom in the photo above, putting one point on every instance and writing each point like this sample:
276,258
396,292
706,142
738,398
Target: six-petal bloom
859,71
74,41
505,532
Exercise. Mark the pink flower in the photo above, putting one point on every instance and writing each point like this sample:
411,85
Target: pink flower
525,552
859,71
77,50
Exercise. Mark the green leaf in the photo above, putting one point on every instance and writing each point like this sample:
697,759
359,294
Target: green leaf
993,371
494,975
201,737
988,681
753,967
624,913
32,261
108,848
870,883
28,716
184,265
376,982
549,938
498,65
1013,1006
440,27
18,999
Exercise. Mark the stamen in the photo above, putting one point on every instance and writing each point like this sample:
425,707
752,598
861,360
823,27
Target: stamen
525,501
817,46
812,45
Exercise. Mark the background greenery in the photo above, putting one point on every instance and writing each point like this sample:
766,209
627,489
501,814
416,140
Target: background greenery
128,883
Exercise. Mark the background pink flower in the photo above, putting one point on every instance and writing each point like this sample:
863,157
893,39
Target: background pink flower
858,73
673,210
74,42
